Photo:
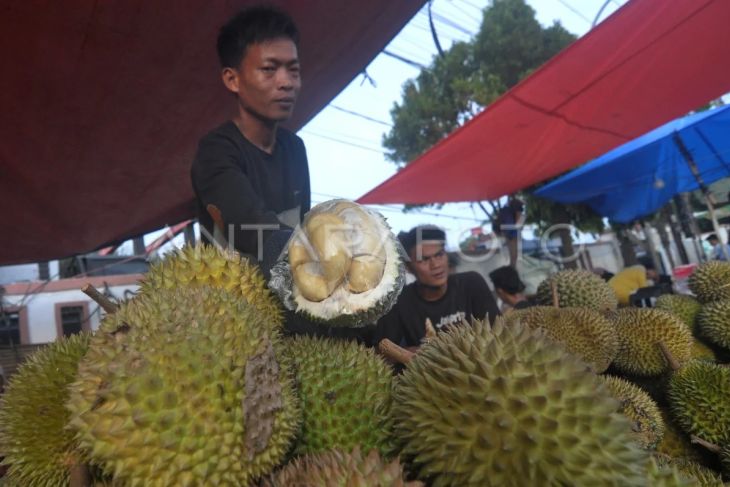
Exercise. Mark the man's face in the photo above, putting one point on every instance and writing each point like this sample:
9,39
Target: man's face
267,82
430,264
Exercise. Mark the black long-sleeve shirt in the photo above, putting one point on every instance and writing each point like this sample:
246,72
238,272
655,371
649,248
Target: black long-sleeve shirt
250,186
467,295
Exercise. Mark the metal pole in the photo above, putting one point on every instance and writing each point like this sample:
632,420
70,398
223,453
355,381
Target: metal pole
709,200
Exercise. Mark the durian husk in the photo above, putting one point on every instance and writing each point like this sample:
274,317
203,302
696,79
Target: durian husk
710,281
185,387
584,332
714,323
640,409
37,447
336,468
705,477
504,405
699,397
682,306
215,267
345,394
640,330
579,289
667,475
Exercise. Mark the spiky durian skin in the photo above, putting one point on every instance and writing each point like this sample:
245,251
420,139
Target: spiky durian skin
189,389
37,447
345,394
663,473
584,332
336,468
703,476
682,306
714,322
639,331
640,408
699,397
710,281
212,266
504,405
580,289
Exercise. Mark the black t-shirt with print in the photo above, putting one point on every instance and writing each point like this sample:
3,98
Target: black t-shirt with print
467,295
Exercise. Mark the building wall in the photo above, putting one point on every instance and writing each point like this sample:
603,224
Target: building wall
42,305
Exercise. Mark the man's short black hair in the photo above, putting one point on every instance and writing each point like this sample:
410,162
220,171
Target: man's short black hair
251,26
420,234
507,279
712,237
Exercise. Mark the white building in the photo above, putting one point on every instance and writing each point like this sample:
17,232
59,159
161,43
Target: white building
38,311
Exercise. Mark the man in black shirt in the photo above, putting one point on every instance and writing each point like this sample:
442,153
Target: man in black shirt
250,176
445,299
509,288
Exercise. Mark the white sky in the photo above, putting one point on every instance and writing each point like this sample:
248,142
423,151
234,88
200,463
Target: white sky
345,154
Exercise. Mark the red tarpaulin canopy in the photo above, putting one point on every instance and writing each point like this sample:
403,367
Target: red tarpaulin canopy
103,104
652,61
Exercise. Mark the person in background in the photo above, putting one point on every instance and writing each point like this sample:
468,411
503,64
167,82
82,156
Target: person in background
509,288
627,281
508,224
443,298
717,248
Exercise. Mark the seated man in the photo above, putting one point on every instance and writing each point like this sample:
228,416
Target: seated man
626,282
509,288
720,251
443,298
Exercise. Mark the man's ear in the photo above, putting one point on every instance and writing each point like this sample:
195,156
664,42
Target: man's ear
230,79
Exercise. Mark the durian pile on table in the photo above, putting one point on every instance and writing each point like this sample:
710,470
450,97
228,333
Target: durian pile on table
192,382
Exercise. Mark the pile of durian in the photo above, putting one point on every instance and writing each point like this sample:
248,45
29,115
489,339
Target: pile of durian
192,383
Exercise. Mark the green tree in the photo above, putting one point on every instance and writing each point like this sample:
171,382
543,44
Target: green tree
510,44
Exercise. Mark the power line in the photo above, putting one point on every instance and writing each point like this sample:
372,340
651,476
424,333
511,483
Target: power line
467,2
345,110
404,59
343,141
392,209
574,10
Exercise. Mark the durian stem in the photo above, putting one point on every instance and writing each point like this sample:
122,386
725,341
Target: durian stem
430,330
101,300
79,475
668,355
706,444
394,353
556,297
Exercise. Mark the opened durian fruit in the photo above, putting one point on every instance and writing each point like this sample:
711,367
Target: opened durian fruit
341,267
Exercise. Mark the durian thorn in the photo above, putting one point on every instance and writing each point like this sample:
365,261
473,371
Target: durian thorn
101,300
430,330
394,352
556,297
668,355
706,444
79,475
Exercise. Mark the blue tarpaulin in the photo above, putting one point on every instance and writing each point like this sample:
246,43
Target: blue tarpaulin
641,176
